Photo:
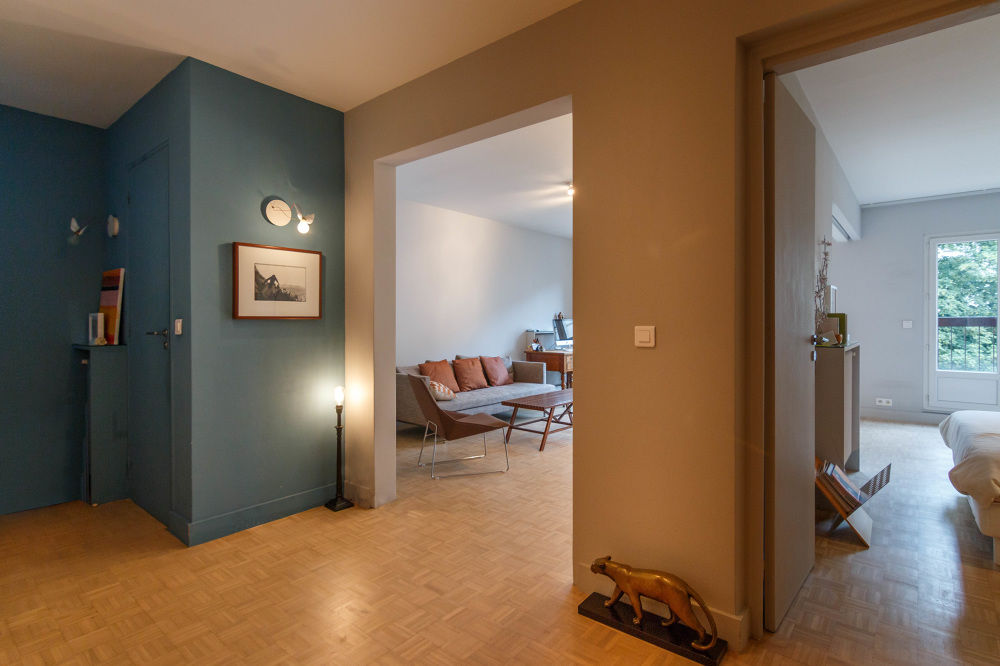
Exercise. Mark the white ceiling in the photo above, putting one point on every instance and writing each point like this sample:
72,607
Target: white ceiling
914,119
519,178
339,53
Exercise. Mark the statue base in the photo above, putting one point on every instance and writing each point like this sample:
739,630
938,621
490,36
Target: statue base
677,637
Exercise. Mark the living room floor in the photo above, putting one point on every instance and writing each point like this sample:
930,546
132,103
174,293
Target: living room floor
473,570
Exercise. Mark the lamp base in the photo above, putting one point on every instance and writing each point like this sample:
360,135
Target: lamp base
339,504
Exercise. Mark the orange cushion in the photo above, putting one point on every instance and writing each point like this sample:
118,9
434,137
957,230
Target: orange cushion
496,371
469,372
441,372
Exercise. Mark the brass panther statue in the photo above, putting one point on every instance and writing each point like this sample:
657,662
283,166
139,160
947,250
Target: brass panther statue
661,586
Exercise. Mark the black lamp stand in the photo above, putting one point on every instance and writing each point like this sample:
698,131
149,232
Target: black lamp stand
338,503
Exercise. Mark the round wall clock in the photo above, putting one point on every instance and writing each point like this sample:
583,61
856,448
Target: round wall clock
276,211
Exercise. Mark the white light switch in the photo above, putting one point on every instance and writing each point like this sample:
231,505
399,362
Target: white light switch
907,323
178,326
645,336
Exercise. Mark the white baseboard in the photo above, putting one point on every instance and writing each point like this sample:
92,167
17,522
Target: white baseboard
902,416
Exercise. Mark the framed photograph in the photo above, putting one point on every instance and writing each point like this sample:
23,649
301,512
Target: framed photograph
276,282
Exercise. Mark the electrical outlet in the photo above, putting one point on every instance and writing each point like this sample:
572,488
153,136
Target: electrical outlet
883,402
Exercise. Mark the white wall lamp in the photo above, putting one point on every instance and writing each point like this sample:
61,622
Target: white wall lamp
304,220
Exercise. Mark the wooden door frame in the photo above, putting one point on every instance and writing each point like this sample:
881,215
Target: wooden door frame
812,41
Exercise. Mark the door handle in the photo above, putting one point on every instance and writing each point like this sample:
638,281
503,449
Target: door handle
166,336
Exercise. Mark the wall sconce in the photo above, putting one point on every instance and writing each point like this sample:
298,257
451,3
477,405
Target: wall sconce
75,231
113,226
303,227
338,503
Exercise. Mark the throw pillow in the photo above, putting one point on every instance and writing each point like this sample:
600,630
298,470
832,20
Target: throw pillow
440,391
469,372
496,371
441,372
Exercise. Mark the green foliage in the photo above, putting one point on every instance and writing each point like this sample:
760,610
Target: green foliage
967,287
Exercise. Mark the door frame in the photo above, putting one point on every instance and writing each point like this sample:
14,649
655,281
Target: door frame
826,36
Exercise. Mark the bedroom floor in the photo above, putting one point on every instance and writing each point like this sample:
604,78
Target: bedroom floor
926,592
473,570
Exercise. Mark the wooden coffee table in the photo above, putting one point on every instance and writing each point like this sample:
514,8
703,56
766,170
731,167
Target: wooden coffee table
547,404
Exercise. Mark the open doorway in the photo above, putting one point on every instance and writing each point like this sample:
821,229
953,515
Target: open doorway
484,271
886,252
384,482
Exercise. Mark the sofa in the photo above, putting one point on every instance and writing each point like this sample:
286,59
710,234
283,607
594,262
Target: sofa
529,379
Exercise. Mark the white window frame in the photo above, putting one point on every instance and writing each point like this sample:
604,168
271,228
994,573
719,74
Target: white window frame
930,319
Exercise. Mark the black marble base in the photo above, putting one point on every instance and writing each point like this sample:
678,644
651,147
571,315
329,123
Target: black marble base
339,504
677,637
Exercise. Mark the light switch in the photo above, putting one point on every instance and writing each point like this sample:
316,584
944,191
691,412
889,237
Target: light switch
178,326
645,336
907,323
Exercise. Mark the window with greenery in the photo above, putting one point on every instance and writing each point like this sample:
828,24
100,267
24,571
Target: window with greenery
967,306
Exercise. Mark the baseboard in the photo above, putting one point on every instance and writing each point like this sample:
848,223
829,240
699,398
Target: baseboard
902,416
207,529
360,495
178,526
734,627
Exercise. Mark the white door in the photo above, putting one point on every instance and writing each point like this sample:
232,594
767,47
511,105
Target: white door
962,297
789,496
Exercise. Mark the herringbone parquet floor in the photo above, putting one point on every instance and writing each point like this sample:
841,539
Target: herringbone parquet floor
471,570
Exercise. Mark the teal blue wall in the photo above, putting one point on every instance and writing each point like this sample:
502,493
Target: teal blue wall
162,117
50,170
263,441
252,416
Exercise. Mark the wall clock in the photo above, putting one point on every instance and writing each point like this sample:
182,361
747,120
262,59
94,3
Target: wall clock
276,211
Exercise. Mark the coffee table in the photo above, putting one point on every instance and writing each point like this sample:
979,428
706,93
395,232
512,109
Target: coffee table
547,404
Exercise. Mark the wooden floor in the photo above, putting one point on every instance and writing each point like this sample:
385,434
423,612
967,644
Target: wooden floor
472,570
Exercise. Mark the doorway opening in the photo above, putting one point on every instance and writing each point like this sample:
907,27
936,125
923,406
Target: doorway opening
483,273
440,259
784,467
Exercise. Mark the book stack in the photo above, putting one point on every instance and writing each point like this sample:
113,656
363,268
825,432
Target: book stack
842,490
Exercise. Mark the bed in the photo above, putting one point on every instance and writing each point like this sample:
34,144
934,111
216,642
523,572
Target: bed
974,440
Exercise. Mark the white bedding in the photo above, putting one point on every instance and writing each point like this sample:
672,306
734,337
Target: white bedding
974,440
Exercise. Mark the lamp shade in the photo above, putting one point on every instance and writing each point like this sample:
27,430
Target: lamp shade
338,395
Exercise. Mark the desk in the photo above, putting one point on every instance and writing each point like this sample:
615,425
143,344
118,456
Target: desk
556,361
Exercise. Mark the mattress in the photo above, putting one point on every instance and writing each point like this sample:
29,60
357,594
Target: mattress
974,440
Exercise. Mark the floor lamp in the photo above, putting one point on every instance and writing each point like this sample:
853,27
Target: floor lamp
338,503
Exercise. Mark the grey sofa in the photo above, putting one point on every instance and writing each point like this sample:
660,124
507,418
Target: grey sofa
529,379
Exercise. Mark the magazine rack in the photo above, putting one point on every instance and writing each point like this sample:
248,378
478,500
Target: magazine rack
847,498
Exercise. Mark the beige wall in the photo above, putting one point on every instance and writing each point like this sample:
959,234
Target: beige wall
658,460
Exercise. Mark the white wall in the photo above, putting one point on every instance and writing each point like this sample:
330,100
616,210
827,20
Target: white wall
469,285
881,281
